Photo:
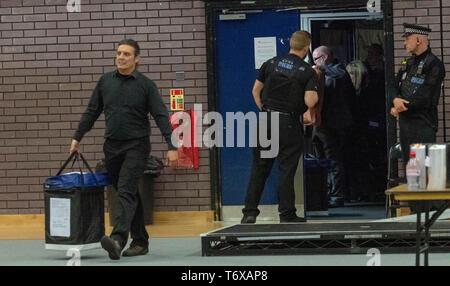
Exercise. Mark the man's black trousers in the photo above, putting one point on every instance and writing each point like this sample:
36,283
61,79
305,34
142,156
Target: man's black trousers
414,131
290,150
333,143
125,161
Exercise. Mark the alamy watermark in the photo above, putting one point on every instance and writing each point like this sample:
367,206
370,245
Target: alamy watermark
233,127
75,257
374,6
375,257
73,6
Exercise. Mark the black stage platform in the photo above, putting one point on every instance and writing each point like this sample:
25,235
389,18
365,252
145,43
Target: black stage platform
321,238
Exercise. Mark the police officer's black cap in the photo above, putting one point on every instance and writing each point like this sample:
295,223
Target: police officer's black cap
415,29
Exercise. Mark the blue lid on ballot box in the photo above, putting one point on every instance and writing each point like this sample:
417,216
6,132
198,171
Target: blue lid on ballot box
77,180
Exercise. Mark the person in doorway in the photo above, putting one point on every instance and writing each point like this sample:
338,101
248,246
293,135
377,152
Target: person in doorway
419,83
358,175
358,74
286,85
337,119
375,59
375,128
126,96
375,98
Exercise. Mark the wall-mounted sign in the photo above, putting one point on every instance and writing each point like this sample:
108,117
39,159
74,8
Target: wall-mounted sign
177,99
265,49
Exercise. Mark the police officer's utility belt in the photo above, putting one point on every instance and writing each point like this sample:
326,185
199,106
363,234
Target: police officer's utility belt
281,112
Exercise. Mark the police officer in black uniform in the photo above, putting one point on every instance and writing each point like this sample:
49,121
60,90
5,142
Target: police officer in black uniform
286,85
418,89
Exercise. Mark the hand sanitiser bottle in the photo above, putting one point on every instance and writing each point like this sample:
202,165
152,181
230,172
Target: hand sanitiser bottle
413,172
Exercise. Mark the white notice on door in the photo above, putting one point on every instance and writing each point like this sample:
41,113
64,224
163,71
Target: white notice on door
60,217
265,49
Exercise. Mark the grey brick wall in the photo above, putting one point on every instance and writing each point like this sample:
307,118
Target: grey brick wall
50,61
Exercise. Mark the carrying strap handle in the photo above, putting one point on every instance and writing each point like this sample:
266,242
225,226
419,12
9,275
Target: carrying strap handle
79,167
84,162
89,168
67,162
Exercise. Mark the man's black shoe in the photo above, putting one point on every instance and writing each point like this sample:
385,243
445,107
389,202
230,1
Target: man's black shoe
111,246
292,219
135,250
248,219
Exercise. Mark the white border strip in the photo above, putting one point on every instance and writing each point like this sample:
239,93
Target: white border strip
52,246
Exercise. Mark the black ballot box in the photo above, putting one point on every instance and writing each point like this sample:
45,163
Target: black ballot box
74,218
74,208
315,173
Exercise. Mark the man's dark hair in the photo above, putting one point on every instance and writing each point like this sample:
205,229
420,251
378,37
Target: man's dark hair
132,43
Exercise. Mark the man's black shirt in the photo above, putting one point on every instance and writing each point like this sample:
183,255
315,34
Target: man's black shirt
286,78
126,101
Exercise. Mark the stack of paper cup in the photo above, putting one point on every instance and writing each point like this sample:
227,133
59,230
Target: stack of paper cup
437,171
420,150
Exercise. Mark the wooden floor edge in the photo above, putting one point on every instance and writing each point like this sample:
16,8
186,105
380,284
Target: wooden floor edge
158,217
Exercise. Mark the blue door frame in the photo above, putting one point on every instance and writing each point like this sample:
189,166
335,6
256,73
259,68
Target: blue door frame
235,76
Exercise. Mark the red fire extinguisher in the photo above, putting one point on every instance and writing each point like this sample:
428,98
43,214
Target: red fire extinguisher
184,123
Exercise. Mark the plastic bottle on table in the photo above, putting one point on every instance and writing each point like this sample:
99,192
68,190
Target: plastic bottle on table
413,172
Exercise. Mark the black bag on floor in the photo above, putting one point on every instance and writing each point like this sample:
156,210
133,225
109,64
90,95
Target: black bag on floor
154,166
74,208
315,185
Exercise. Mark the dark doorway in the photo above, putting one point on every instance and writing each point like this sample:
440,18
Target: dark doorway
353,39
348,47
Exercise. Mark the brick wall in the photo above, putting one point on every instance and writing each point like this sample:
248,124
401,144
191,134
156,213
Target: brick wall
50,61
426,13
